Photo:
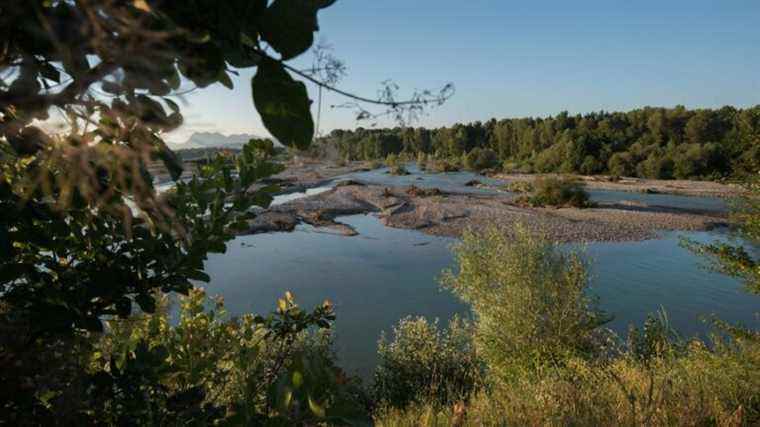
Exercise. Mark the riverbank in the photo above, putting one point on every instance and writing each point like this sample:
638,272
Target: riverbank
307,173
642,185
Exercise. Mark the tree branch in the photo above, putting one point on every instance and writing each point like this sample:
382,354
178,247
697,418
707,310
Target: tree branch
334,89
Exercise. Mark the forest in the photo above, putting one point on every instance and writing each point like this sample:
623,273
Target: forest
657,143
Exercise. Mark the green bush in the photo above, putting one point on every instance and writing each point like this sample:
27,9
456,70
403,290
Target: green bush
395,165
422,161
557,192
509,166
519,187
424,364
443,165
392,160
479,159
548,361
550,160
249,369
700,387
591,165
529,299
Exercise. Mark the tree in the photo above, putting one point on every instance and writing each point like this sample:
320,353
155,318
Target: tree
735,259
83,232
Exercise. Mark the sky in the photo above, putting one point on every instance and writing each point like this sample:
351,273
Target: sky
521,58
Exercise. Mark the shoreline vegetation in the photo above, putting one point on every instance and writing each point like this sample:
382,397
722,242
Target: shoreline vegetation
654,143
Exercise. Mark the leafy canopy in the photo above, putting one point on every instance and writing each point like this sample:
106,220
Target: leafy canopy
83,232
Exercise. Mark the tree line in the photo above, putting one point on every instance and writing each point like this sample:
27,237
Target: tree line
663,143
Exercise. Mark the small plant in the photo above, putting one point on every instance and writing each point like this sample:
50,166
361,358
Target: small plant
415,191
443,165
521,187
392,160
395,165
655,339
422,161
557,192
423,364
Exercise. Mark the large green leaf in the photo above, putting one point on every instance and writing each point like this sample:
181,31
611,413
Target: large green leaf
283,105
289,25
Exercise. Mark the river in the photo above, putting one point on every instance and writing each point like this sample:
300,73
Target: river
383,274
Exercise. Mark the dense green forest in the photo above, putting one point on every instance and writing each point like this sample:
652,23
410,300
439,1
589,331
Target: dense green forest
650,142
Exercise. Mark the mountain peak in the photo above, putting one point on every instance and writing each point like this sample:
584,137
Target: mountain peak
217,140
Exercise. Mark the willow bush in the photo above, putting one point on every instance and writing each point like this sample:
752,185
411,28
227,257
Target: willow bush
423,363
529,299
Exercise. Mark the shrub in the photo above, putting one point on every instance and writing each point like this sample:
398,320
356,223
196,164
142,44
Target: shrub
557,192
701,387
247,370
549,160
479,159
422,161
547,363
392,160
622,164
509,166
519,187
415,191
654,340
424,364
443,165
395,165
529,299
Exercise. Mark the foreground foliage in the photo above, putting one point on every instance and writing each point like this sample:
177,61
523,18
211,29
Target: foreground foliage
243,371
422,362
84,234
736,260
700,387
547,361
529,300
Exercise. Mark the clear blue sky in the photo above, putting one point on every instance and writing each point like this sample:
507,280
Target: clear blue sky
525,58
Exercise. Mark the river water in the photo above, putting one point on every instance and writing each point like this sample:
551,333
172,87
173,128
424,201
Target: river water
383,274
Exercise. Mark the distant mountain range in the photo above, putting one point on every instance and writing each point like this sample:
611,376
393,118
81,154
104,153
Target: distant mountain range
216,140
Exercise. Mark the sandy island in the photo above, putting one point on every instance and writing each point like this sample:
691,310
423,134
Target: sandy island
449,213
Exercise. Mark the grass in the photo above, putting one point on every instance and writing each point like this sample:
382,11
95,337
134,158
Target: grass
702,387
